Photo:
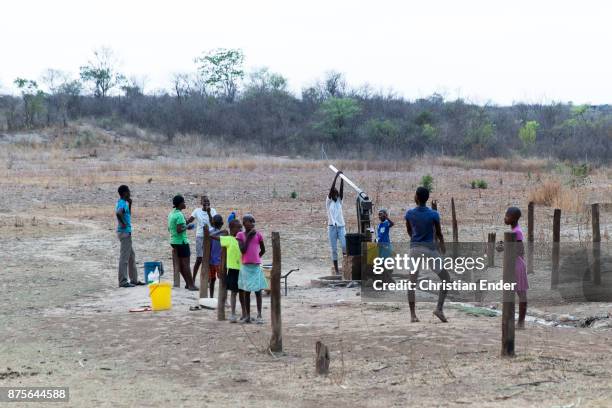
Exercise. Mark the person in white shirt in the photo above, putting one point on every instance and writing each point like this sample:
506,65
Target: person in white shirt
203,217
335,220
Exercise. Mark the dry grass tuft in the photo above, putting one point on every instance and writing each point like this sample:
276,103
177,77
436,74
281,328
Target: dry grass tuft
546,193
518,165
373,165
552,194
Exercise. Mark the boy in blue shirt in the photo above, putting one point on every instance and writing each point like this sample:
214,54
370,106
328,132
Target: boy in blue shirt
383,232
383,239
384,228
127,257
421,222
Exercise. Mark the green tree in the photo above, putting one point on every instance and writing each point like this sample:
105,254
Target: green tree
479,133
222,70
579,111
33,100
528,132
337,115
424,117
264,81
381,131
429,133
101,72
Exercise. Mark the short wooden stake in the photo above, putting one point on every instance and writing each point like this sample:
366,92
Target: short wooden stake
322,358
491,249
176,268
554,276
205,269
596,244
222,296
530,236
276,341
508,307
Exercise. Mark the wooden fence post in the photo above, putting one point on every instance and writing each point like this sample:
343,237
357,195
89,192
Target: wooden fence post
434,206
322,358
508,305
530,236
491,249
222,297
454,215
205,269
455,249
596,244
276,341
554,276
176,268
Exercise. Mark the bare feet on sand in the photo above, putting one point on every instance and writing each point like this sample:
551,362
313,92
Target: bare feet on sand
520,325
414,319
440,315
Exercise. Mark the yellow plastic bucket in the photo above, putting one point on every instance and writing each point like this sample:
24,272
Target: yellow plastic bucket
161,296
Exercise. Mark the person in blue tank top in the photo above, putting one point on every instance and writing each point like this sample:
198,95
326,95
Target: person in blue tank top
127,257
421,223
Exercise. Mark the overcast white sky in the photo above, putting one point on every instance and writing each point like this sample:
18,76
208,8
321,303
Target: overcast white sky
498,51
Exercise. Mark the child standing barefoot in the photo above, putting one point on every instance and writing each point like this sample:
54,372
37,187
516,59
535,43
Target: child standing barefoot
513,214
251,277
233,267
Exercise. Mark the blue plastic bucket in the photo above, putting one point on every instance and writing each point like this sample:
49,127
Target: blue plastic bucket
149,268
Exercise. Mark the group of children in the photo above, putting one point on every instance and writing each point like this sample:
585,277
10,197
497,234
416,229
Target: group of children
244,249
422,223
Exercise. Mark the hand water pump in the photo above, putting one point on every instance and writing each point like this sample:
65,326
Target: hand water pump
364,206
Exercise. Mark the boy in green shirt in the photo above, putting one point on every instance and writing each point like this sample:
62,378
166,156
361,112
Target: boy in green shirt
177,226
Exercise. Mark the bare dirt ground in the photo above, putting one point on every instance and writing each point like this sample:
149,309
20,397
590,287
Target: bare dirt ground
64,323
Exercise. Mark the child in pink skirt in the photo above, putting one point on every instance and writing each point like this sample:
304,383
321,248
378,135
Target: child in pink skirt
513,214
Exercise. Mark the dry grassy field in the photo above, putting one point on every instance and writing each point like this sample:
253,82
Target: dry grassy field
64,322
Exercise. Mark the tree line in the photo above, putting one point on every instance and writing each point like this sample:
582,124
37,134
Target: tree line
220,99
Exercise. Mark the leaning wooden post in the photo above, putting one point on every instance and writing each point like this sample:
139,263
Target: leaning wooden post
530,236
276,341
454,215
509,275
205,269
491,249
554,276
176,267
455,244
596,244
222,297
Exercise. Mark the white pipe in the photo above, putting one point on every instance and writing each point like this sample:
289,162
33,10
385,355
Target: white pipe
348,181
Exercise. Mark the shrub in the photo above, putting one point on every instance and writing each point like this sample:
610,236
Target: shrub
427,182
294,195
580,174
479,183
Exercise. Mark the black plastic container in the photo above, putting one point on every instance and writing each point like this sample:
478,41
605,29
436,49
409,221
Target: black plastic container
353,244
